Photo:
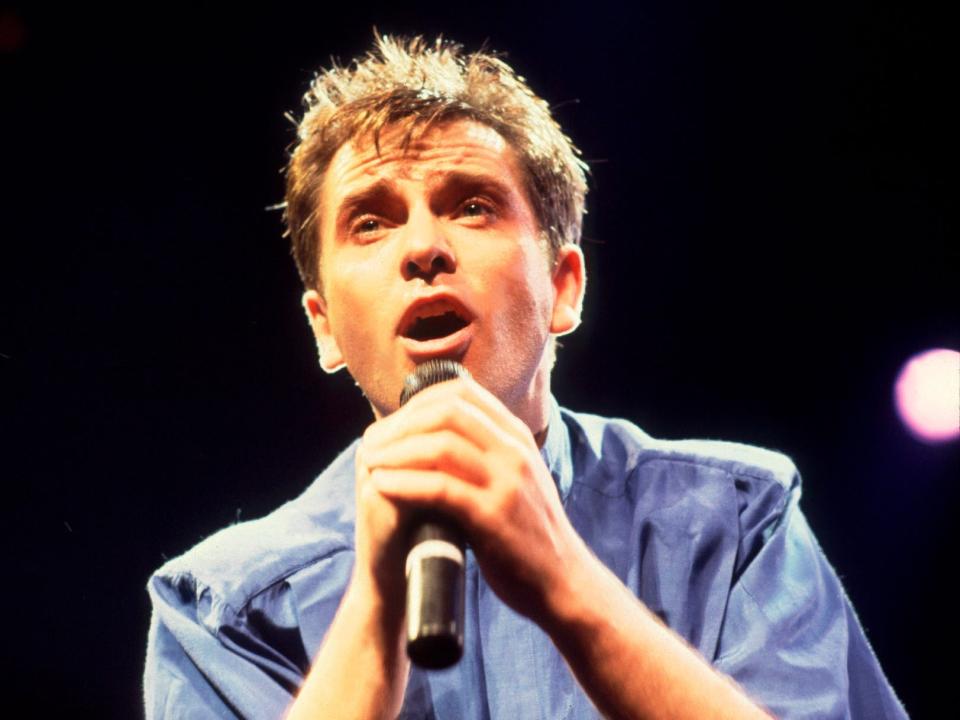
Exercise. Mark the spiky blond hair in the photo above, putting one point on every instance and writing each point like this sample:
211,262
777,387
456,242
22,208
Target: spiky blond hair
415,84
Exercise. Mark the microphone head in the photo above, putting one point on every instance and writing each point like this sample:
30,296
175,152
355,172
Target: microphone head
430,373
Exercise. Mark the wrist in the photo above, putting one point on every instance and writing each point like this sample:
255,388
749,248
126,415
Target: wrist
365,599
362,666
566,604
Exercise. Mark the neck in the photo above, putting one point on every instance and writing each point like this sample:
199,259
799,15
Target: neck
534,406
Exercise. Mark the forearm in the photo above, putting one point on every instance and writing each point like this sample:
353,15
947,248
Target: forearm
361,669
630,663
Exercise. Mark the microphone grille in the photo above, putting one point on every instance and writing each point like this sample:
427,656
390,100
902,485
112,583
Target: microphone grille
430,373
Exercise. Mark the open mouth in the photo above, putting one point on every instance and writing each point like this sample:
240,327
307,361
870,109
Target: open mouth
432,327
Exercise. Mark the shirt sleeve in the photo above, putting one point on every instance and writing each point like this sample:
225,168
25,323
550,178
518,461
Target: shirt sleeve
790,636
195,672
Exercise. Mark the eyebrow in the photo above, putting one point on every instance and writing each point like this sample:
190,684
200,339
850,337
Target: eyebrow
373,193
458,180
439,184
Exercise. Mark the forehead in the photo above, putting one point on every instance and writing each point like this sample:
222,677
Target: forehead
460,145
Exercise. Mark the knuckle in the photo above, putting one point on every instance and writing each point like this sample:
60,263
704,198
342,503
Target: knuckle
498,512
460,405
486,514
523,468
448,413
515,462
447,445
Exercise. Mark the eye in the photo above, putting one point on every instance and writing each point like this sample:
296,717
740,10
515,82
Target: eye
366,226
476,208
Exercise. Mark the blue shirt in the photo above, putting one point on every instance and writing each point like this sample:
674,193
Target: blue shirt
709,535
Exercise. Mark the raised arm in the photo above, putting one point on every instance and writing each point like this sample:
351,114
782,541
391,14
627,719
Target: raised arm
361,669
627,660
455,447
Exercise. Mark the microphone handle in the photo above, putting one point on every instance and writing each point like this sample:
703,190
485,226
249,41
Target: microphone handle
435,593
435,561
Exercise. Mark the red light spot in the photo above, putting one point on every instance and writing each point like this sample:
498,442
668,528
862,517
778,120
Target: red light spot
13,32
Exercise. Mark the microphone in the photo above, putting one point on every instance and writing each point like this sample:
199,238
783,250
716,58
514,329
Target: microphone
435,560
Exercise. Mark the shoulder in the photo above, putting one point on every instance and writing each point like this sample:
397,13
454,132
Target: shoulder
238,562
610,453
679,520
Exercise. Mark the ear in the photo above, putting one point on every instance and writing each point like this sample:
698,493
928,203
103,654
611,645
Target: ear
331,359
569,282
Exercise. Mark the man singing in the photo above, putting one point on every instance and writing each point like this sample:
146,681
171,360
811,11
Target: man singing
434,208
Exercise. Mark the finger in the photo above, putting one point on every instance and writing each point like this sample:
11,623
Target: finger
469,390
435,411
429,488
442,450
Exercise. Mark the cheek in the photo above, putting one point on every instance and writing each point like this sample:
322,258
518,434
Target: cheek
528,296
358,303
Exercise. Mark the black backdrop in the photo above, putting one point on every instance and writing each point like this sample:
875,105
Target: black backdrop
766,238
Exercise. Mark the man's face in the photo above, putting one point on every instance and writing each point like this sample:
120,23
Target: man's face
434,251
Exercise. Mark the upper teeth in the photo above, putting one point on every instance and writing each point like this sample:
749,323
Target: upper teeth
435,314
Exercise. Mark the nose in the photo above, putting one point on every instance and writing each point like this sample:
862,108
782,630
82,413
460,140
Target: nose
427,250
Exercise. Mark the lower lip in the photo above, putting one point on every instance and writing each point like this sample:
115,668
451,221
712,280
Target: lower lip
449,346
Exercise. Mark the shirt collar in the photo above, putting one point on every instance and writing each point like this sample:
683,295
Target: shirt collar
556,451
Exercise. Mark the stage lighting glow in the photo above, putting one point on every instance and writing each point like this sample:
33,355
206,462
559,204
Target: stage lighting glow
928,395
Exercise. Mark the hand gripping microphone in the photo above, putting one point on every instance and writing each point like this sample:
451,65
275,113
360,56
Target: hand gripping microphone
435,560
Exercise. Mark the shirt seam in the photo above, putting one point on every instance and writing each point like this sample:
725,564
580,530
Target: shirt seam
783,502
759,476
280,577
220,601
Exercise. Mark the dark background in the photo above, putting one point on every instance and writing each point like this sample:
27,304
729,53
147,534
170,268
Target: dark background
767,242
